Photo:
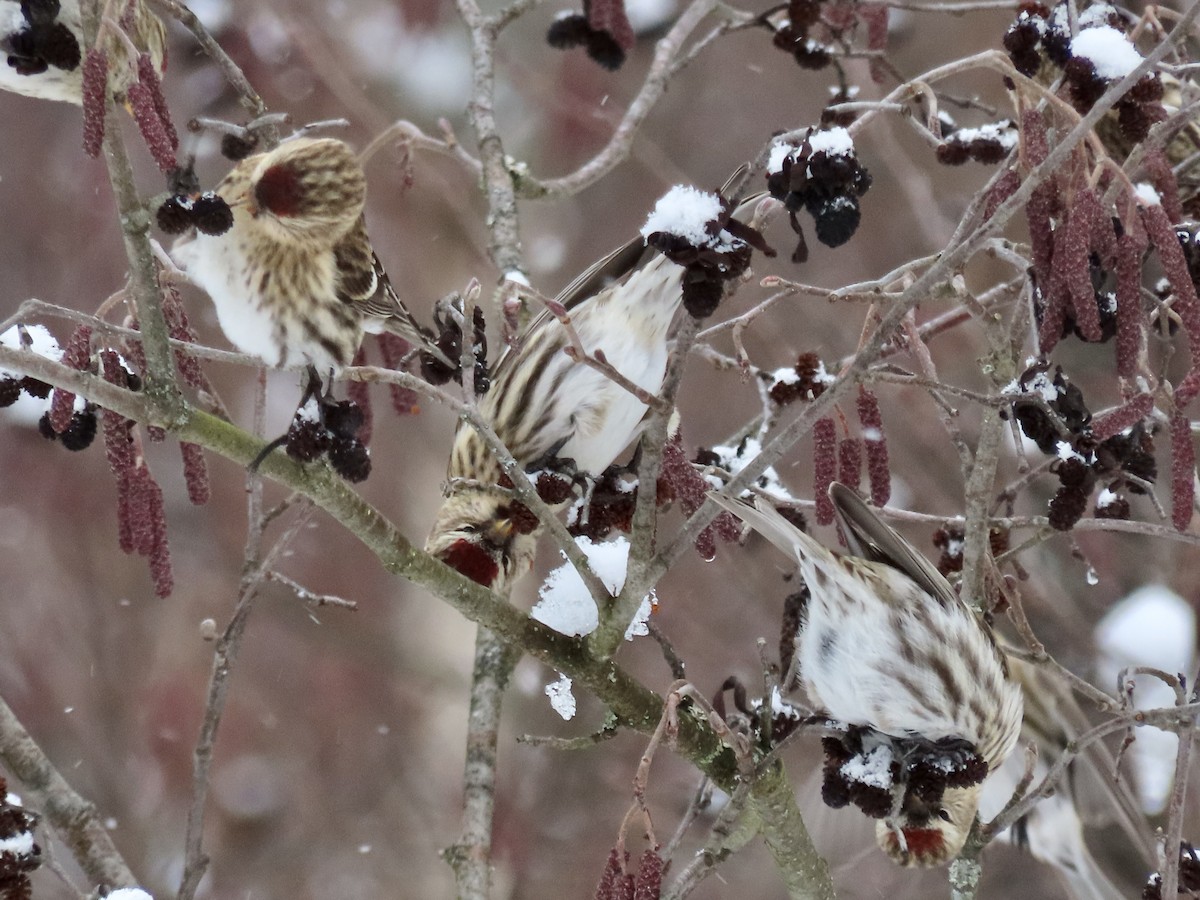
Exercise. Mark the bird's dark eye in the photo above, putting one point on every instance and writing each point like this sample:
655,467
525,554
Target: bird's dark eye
943,814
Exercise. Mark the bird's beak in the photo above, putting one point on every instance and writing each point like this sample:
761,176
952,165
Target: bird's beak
499,532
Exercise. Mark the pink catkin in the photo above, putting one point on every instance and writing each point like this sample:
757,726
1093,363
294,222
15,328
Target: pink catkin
1087,220
610,16
850,459
393,349
118,431
1186,392
78,356
608,878
154,132
1162,176
1183,472
879,472
159,551
148,76
1131,247
95,85
1006,185
1125,416
690,490
648,885
1162,236
359,393
824,467
134,351
121,453
180,328
195,473
124,515
876,17
142,515
1070,278
1044,201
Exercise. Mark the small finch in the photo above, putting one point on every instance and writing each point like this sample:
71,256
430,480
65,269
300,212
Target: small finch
887,645
545,406
43,44
294,280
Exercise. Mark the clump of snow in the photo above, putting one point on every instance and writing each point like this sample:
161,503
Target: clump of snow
1108,50
779,152
789,375
685,212
873,769
832,141
42,343
1064,450
1097,15
129,894
1004,133
28,410
1156,627
20,844
310,411
1041,384
561,699
1106,498
565,604
735,458
516,276
1146,195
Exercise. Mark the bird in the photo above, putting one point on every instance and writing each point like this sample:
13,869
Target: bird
887,645
295,281
546,406
43,44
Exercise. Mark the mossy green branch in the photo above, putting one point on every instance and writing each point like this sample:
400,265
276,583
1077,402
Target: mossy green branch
634,705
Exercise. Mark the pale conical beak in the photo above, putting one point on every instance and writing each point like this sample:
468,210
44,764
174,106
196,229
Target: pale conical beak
499,532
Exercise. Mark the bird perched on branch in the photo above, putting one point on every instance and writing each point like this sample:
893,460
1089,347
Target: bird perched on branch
888,650
42,41
295,280
547,404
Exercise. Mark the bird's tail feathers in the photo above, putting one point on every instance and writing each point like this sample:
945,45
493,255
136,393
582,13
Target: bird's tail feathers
764,519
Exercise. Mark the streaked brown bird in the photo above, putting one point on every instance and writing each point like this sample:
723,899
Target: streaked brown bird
886,644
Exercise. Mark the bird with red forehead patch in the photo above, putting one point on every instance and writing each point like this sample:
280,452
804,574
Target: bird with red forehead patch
887,645
295,281
548,409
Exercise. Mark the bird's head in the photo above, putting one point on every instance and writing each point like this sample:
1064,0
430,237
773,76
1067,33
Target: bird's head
933,835
486,536
308,189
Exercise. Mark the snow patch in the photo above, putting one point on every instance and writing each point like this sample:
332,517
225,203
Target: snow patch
1146,195
562,701
1108,50
20,844
832,141
684,212
565,604
1156,627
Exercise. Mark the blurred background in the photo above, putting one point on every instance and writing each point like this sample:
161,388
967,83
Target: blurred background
338,764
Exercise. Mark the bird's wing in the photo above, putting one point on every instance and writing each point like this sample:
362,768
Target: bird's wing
870,537
363,283
617,266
